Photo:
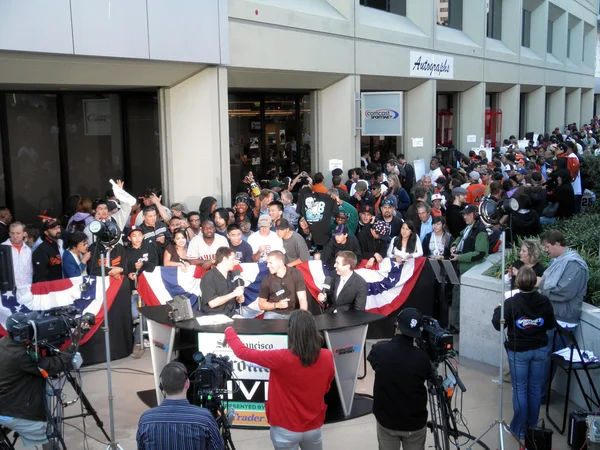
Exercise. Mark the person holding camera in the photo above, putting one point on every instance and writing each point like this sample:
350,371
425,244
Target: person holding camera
299,378
175,423
528,316
23,384
399,391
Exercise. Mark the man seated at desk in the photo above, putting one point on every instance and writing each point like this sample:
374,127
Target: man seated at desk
349,290
219,295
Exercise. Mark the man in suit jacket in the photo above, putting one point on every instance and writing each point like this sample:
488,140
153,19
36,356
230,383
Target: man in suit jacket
349,290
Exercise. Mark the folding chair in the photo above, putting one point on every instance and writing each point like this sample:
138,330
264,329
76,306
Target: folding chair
572,368
5,442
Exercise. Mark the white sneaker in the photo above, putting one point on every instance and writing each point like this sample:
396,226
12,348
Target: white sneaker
146,343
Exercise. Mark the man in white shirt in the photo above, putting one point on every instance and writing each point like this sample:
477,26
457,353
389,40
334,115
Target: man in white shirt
202,249
21,257
264,240
435,171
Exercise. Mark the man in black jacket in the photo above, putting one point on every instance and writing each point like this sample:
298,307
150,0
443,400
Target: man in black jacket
5,221
47,261
23,387
349,290
399,392
155,232
340,241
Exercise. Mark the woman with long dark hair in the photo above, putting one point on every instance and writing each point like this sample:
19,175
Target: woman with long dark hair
528,315
407,245
437,243
299,378
74,260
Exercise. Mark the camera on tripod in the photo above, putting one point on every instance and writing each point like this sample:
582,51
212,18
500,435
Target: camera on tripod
213,372
53,327
437,342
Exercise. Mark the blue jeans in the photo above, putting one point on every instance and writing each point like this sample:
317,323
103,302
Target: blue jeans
527,375
547,220
283,439
135,315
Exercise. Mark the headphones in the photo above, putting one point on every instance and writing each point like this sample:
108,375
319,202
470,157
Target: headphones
175,365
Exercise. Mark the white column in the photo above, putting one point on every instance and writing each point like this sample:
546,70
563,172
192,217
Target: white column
573,107
556,109
471,117
536,106
509,105
587,106
337,137
420,122
197,139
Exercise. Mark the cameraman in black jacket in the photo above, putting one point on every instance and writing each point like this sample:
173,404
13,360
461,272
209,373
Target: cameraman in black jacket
23,386
399,392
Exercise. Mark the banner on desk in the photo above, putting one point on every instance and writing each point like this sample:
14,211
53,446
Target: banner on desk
248,391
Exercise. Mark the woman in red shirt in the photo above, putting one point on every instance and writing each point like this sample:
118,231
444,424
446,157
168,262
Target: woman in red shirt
299,379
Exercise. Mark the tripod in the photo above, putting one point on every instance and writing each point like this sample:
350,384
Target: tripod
443,422
502,425
58,406
212,401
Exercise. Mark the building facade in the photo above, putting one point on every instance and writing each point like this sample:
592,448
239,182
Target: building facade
183,93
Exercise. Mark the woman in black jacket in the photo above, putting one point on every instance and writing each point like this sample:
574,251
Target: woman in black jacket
528,316
437,243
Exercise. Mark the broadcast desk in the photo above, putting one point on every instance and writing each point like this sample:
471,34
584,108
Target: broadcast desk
345,334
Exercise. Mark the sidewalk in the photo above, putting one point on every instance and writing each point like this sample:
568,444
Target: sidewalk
479,409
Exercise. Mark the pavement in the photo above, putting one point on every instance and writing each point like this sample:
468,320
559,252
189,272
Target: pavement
478,407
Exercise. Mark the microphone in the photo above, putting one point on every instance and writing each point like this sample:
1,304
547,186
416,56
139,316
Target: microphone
237,280
326,285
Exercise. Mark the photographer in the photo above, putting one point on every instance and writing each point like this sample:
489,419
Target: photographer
175,423
23,386
399,392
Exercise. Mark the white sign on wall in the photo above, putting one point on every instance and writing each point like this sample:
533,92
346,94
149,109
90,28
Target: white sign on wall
428,65
382,113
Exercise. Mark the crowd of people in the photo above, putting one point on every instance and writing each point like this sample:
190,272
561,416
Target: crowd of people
380,211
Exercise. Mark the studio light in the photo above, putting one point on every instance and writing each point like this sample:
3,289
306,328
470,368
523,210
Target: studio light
492,211
107,233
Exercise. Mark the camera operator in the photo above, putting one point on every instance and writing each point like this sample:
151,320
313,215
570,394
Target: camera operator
399,392
175,423
23,384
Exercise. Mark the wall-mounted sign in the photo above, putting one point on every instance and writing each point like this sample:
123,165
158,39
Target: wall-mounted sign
382,113
428,65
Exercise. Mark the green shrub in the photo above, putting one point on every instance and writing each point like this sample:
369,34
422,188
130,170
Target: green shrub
590,173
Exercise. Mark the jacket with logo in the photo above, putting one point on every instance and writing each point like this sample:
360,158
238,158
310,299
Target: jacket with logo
47,262
528,316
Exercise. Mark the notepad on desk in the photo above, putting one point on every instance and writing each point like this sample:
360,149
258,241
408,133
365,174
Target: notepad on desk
213,319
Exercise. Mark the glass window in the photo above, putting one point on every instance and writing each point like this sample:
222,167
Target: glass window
526,31
281,130
34,155
494,19
449,13
143,139
94,143
393,6
550,36
305,161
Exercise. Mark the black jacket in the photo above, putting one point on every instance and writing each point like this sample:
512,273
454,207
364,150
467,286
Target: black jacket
369,245
47,262
526,224
331,249
455,220
151,233
3,232
353,295
528,316
399,391
145,254
22,387
565,197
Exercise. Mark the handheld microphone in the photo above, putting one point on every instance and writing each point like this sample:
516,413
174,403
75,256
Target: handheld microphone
326,285
237,280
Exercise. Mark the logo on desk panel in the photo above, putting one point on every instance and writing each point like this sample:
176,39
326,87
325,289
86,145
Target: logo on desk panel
348,349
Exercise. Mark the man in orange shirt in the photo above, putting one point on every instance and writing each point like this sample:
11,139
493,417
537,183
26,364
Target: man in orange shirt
476,190
318,185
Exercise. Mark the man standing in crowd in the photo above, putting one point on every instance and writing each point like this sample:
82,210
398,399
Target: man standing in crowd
100,214
573,166
399,392
264,240
202,249
296,251
341,240
388,214
476,190
219,295
435,170
21,257
155,231
361,195
153,197
469,249
408,180
275,211
175,423
420,197
243,250
47,261
5,220
349,290
289,208
281,289
221,219
374,241
454,217
425,219
194,220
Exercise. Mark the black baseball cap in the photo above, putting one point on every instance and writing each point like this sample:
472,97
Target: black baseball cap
282,224
469,209
410,322
340,229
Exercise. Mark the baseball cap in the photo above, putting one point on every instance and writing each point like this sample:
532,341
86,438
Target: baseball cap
242,198
390,200
111,205
382,228
282,224
469,209
375,184
522,171
474,175
340,229
366,209
441,179
361,186
459,191
264,221
342,213
486,171
134,228
410,322
51,223
437,197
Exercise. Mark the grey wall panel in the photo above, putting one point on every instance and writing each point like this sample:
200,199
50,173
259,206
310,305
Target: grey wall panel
184,30
36,26
110,28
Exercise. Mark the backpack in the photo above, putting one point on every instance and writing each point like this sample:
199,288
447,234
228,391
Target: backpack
573,166
77,225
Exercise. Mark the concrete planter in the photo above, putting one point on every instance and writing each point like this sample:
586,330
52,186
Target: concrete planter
479,340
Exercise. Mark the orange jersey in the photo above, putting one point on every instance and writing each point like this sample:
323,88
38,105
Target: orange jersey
475,193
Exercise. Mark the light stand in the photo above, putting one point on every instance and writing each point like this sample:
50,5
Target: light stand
490,212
